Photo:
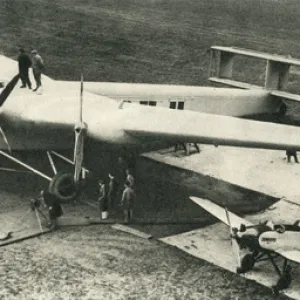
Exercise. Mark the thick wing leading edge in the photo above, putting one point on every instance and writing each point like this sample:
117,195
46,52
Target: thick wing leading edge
189,126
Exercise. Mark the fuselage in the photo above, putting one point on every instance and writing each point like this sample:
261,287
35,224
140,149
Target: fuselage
220,101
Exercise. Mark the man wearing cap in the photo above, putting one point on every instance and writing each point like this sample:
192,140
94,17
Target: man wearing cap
24,64
37,68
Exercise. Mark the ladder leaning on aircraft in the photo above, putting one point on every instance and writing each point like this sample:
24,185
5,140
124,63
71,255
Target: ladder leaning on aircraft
64,185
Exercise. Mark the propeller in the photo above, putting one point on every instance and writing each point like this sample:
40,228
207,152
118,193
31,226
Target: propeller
3,96
8,89
80,133
234,243
5,139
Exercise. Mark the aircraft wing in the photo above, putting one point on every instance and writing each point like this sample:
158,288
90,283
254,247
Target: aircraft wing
292,255
220,213
189,126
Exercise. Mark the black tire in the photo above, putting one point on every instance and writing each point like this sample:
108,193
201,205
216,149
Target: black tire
63,187
247,263
284,281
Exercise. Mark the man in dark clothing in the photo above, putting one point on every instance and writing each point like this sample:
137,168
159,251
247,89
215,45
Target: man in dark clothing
292,153
24,64
102,199
130,178
112,191
127,202
54,208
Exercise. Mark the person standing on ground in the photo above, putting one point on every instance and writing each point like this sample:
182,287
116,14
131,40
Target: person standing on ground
37,68
292,153
102,199
112,191
24,65
127,202
130,178
54,208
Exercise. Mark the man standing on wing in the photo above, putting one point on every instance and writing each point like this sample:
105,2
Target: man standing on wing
37,68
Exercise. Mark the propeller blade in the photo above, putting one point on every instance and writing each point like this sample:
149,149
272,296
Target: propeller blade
8,89
78,151
5,139
80,133
234,244
81,99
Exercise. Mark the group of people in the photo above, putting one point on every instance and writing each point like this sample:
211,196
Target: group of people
37,65
107,196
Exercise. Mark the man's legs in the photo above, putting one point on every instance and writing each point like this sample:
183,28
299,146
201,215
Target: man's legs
296,158
22,77
37,78
130,214
197,147
288,158
27,80
126,215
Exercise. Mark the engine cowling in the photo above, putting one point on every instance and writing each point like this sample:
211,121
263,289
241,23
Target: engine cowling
64,187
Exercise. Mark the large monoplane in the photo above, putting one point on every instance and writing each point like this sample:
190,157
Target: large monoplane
106,128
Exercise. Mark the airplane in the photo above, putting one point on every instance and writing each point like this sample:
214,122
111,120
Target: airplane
264,241
106,129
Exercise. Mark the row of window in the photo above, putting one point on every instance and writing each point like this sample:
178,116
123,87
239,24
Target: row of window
173,104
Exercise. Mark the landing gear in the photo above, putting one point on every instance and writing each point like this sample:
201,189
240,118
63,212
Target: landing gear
247,263
63,186
284,280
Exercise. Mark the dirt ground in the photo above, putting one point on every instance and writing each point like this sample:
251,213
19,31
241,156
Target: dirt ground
98,262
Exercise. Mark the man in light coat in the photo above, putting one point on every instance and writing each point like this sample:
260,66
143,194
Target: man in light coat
37,68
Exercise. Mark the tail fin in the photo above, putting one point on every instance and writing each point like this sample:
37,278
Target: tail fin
8,89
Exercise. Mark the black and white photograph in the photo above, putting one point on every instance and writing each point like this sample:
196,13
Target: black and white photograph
149,149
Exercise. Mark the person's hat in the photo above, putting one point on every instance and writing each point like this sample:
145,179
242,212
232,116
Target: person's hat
33,51
111,176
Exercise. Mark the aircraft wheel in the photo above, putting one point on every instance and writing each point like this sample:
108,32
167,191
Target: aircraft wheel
247,263
285,280
63,186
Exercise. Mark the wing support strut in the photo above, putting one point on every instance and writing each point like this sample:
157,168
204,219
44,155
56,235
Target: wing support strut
25,165
67,160
52,163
